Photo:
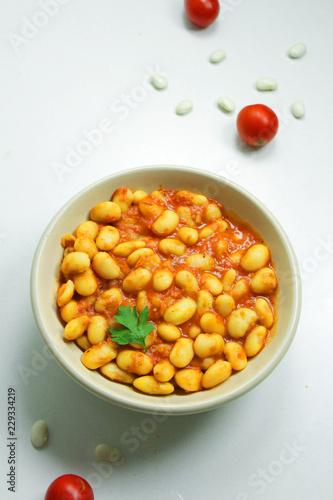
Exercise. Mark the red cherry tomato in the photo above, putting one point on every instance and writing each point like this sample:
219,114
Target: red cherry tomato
69,487
202,12
257,124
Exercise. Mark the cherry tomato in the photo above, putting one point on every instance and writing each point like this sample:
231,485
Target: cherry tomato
257,124
202,12
69,487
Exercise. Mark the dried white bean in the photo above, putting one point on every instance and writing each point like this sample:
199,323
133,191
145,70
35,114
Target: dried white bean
298,109
184,107
217,56
109,453
39,434
159,81
266,83
226,104
297,50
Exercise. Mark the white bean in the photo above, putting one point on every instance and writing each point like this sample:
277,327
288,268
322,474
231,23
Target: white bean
159,81
97,329
194,198
182,353
69,311
228,279
75,262
150,385
225,304
194,331
180,312
138,196
204,301
149,208
264,311
188,235
255,340
184,107
189,379
105,266
39,434
164,370
298,109
297,50
168,332
65,293
83,342
86,245
264,281
162,279
136,280
76,327
88,229
109,453
135,362
201,261
255,257
186,214
108,300
68,240
186,281
212,283
113,372
141,253
212,323
266,83
218,226
99,355
211,212
203,364
208,344
126,248
142,301
105,212
107,238
240,321
123,197
240,289
171,246
166,223
236,355
217,56
216,374
85,283
226,104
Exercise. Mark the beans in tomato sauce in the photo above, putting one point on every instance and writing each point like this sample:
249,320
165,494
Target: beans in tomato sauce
206,277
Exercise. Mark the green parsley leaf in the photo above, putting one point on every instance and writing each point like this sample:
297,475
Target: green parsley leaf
137,327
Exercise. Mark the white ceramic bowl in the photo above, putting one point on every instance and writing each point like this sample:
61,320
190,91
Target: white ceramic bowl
46,266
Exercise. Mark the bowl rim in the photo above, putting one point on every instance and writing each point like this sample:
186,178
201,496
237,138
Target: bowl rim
154,407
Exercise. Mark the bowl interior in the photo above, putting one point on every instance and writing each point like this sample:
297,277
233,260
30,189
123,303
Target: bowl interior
45,274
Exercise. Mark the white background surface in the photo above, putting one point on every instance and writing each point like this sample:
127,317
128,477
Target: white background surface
91,61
